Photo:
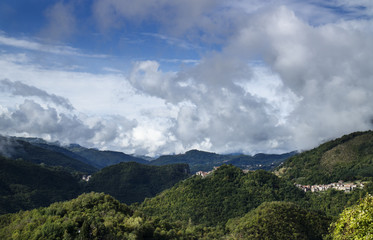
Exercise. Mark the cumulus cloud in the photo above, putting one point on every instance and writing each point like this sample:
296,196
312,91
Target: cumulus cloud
20,89
327,66
32,119
214,112
322,76
285,75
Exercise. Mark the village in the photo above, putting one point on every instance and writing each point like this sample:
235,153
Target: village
340,185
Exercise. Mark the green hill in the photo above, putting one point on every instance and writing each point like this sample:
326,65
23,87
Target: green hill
205,161
133,182
90,216
24,185
225,194
280,221
15,148
347,158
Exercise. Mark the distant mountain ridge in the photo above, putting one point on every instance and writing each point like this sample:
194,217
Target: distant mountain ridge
41,153
101,159
89,160
74,156
205,161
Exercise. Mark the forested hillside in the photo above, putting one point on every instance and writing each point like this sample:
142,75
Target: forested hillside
226,194
279,220
347,158
133,182
24,185
15,148
226,204
230,213
90,216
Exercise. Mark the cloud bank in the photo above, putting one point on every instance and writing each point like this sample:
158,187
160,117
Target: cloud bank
285,75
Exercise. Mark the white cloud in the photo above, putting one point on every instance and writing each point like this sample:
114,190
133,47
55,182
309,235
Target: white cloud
289,75
320,79
20,89
328,67
41,47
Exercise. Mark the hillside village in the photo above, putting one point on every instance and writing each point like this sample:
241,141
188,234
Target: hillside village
340,185
205,174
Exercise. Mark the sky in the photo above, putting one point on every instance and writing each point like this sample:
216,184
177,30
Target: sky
153,77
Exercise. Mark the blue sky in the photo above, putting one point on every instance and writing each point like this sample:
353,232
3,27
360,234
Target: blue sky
157,77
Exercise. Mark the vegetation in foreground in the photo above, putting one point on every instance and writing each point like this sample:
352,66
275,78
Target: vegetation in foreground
100,216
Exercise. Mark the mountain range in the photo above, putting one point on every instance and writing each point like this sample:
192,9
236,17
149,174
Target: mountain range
170,202
89,160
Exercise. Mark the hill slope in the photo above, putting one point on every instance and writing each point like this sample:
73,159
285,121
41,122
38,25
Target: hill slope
24,185
347,158
133,182
224,194
15,148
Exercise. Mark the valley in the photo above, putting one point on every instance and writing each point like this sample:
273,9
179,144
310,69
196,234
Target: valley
131,198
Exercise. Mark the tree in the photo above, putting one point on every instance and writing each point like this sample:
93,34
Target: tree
355,222
278,220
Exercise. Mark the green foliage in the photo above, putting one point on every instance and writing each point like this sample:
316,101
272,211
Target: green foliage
347,158
90,216
227,193
355,222
331,202
133,182
278,220
24,185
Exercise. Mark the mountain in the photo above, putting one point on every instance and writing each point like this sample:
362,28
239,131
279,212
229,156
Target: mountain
101,159
73,156
205,161
16,148
95,158
133,182
25,185
226,193
347,158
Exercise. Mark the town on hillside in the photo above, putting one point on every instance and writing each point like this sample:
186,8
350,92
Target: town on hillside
205,174
340,185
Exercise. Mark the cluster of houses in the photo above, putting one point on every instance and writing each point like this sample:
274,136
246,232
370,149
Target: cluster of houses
204,174
86,178
340,185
